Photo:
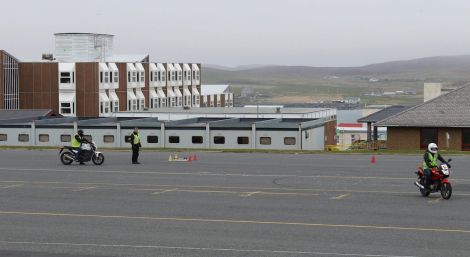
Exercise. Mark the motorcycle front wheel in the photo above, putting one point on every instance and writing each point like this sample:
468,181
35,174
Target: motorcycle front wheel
98,159
446,191
66,158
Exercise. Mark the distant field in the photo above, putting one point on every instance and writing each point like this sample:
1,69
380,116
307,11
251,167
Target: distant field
287,84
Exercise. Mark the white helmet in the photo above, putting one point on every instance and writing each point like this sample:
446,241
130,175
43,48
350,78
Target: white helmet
432,148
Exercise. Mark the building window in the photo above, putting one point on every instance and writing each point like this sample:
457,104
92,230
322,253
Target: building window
142,76
128,76
101,77
116,106
66,77
197,140
265,140
179,76
174,139
243,140
151,77
428,135
163,76
465,139
152,139
108,138
3,137
106,77
116,77
43,138
110,77
23,138
65,108
134,76
289,140
65,138
219,140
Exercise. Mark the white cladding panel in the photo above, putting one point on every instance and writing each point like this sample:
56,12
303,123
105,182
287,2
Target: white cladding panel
80,47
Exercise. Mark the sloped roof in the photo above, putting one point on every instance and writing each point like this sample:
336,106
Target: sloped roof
385,113
214,89
449,110
25,113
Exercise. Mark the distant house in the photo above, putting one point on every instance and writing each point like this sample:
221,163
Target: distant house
444,120
216,96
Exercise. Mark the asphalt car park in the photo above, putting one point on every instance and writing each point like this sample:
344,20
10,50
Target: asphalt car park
228,204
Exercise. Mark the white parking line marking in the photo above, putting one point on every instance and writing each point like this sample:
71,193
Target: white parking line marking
197,249
339,197
11,186
248,194
83,189
217,174
165,191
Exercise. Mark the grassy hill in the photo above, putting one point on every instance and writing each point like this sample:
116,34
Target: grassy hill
286,84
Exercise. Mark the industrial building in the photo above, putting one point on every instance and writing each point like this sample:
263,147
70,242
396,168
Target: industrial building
444,120
86,79
29,128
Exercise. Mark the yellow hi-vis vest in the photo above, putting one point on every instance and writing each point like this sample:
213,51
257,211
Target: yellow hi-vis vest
136,139
433,159
75,143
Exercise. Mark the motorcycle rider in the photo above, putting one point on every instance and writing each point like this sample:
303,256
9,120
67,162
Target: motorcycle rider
77,142
430,161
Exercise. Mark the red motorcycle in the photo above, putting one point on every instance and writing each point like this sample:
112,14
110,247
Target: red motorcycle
440,181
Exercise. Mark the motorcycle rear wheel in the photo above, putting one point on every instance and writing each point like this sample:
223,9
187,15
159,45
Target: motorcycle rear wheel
98,160
66,158
424,191
446,191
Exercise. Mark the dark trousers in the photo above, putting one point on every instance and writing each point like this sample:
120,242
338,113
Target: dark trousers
135,154
428,177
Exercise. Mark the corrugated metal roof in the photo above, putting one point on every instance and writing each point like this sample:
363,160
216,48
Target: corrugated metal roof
449,110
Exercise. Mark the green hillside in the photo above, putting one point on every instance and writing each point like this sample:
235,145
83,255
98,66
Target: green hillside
285,84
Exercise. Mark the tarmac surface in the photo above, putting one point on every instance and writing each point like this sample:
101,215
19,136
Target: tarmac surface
228,204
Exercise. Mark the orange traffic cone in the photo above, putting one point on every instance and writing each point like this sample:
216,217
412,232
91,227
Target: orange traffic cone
373,160
194,157
190,158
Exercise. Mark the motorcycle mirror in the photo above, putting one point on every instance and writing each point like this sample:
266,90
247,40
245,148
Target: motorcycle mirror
449,160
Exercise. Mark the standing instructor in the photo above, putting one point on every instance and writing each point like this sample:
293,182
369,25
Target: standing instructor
135,142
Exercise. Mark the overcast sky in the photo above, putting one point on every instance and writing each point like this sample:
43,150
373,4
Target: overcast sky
241,32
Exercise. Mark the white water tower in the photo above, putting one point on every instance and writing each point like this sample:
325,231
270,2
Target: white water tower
83,47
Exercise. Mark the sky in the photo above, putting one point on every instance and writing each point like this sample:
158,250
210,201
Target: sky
246,32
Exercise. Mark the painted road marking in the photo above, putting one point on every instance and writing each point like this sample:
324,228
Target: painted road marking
434,201
164,191
11,186
339,197
83,189
248,194
218,174
195,249
253,222
207,189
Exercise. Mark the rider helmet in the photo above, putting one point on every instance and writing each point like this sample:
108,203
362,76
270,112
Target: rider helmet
80,132
432,148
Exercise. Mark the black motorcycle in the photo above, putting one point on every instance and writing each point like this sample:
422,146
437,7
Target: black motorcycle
88,153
